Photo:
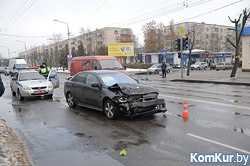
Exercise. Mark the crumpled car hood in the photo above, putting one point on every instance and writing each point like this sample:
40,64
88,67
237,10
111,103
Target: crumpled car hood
133,89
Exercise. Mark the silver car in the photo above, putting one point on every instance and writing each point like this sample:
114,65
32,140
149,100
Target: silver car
199,66
224,66
27,83
156,68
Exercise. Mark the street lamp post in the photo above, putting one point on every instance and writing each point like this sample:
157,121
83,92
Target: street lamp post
24,49
8,51
69,43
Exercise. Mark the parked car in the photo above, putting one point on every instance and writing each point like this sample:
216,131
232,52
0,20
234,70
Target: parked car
113,92
2,69
28,83
6,71
199,66
86,63
224,66
213,66
156,68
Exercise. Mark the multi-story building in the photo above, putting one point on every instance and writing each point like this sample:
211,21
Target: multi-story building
90,42
100,38
211,38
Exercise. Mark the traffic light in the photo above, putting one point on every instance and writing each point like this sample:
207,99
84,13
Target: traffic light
179,55
178,44
185,44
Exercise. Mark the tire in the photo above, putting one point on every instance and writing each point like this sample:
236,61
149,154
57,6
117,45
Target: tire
21,98
50,96
168,70
70,100
156,72
217,70
13,93
225,68
205,68
111,110
198,68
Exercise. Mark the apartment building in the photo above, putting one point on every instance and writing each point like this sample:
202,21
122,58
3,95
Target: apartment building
95,40
208,37
90,42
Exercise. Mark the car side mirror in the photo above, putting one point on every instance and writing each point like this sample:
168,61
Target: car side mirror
97,85
13,78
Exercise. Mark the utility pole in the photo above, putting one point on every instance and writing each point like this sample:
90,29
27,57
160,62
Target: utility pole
69,43
24,49
181,58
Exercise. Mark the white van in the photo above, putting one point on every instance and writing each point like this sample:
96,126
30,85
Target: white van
16,63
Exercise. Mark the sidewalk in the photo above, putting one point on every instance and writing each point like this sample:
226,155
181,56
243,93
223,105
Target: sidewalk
203,76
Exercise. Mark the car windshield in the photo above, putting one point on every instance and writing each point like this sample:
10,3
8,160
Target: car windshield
197,63
30,76
110,64
154,66
21,65
113,78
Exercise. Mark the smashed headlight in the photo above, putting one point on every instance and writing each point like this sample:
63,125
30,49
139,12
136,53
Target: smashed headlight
122,99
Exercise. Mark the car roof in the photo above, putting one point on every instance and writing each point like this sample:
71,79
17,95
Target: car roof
92,57
101,71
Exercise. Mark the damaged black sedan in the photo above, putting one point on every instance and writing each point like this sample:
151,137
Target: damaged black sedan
113,92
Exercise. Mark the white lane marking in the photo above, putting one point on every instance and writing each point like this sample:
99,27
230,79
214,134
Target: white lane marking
208,102
218,143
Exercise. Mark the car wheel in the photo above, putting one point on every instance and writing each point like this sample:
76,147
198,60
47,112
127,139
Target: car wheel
156,72
13,93
50,96
225,68
205,68
20,96
111,110
168,71
198,68
217,70
70,100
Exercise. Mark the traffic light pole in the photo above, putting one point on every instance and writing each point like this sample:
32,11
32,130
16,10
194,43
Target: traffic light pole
181,58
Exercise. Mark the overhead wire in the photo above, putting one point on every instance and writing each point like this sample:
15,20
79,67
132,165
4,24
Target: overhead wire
14,13
23,12
96,11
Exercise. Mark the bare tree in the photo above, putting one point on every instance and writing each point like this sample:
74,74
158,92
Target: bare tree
153,36
171,36
238,33
82,31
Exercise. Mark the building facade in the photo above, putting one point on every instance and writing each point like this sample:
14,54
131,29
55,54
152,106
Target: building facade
246,49
211,38
89,43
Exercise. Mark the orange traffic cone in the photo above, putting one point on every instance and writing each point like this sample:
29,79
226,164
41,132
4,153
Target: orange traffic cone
185,110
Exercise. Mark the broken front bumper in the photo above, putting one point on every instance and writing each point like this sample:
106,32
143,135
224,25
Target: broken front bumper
146,107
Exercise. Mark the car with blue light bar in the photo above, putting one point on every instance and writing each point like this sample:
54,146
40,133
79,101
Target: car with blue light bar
28,83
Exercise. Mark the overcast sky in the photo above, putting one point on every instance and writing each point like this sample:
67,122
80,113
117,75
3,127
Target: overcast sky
33,19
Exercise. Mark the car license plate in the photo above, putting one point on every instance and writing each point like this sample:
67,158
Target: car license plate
41,91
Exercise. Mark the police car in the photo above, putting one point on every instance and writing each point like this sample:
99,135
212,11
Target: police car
27,83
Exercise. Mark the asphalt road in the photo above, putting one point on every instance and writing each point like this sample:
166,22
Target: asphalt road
54,134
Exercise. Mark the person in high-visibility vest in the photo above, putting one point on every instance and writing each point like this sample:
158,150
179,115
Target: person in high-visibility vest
44,70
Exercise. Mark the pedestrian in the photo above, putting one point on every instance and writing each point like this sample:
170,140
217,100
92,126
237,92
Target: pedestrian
163,69
1,87
44,70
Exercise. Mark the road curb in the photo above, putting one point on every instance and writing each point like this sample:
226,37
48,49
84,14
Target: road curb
211,82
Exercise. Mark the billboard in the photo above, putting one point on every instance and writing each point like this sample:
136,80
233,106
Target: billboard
121,49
